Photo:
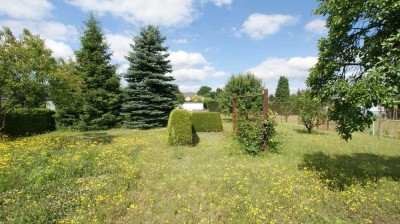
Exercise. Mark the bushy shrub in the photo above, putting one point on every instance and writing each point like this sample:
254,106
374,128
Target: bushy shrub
25,121
207,122
180,128
212,106
254,134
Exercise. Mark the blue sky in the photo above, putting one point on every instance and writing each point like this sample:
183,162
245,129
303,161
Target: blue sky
208,40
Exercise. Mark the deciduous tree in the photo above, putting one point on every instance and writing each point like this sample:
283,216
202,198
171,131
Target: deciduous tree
242,85
358,62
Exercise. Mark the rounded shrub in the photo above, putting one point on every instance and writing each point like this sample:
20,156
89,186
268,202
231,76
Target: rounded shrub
26,121
180,128
207,122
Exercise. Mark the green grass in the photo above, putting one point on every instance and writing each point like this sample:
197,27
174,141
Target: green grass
129,176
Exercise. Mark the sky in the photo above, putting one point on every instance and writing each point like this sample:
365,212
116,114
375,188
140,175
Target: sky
208,40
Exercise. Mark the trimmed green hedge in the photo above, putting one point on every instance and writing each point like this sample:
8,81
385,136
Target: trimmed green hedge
26,121
180,128
207,122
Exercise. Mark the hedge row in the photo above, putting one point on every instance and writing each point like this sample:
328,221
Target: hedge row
26,121
180,128
207,122
183,125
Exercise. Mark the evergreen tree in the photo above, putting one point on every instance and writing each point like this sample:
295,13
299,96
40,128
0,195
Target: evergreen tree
102,92
149,97
282,90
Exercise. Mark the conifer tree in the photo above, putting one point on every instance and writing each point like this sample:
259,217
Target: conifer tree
101,92
149,97
282,90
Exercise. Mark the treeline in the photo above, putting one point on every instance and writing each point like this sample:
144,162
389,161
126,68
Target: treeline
86,92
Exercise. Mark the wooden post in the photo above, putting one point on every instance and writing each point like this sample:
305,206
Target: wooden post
265,97
234,129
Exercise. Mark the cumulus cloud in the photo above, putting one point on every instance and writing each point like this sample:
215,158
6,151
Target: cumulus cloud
166,12
26,9
60,49
258,26
120,45
188,66
46,29
316,26
295,68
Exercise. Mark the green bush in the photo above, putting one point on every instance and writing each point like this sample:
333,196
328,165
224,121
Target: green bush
26,121
180,128
253,132
212,106
207,122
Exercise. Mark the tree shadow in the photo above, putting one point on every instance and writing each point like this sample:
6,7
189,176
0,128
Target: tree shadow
100,137
227,120
341,171
313,132
195,137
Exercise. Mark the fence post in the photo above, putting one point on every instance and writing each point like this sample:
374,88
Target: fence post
265,97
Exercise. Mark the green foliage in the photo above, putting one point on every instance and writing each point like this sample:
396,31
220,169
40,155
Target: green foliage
358,61
207,122
205,91
312,112
149,97
241,85
180,98
101,93
282,93
180,128
25,121
26,67
212,105
66,91
254,134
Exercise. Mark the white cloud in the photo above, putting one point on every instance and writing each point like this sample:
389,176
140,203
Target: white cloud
183,59
119,44
220,3
258,26
60,49
181,41
123,68
189,89
166,12
26,9
295,68
46,29
189,66
316,26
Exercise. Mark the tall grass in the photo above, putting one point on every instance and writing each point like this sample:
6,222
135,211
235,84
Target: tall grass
125,176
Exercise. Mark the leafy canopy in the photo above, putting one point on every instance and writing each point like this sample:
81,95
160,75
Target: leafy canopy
358,63
242,85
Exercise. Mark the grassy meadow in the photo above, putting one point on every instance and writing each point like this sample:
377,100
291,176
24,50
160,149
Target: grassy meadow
131,176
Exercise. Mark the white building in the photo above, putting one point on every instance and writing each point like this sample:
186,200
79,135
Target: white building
193,106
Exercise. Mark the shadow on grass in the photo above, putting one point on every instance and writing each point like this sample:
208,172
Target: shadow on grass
100,137
313,132
195,137
341,171
227,120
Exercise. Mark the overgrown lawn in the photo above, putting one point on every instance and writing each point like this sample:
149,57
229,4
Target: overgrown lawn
130,176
